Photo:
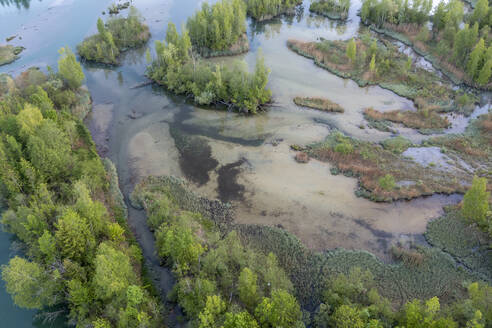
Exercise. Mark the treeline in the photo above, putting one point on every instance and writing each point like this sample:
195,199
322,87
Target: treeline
220,282
470,45
395,11
334,9
466,37
219,27
78,251
118,35
267,9
176,68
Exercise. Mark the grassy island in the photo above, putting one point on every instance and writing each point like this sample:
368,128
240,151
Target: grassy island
383,173
80,259
459,45
333,9
177,68
9,54
219,30
322,104
262,10
118,35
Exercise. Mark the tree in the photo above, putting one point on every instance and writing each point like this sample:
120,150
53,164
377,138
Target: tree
279,311
475,58
485,73
240,320
69,68
351,50
180,244
30,285
74,237
47,246
214,307
372,64
29,119
247,288
113,272
476,201
480,12
346,316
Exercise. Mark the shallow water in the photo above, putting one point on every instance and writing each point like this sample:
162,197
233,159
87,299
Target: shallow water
136,128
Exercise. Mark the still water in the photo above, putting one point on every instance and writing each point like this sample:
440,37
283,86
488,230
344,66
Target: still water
243,159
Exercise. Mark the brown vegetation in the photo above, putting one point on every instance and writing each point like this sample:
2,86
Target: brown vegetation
420,119
371,163
322,104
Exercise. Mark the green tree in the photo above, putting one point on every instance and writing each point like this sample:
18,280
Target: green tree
214,308
30,285
351,50
47,246
69,68
180,244
74,237
113,272
279,311
346,316
485,73
475,58
240,320
476,201
372,64
480,12
247,288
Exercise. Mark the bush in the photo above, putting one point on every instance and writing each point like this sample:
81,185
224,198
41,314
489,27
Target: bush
344,147
387,182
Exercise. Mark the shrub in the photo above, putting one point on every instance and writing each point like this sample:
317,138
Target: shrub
387,182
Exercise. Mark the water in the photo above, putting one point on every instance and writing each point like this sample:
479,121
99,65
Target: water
252,164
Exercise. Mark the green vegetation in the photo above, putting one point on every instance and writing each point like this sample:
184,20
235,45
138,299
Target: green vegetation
9,54
220,281
397,144
333,9
469,246
466,37
217,30
80,255
118,35
476,204
369,62
176,68
322,104
381,168
268,9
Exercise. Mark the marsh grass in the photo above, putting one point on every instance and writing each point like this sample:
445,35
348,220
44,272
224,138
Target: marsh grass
466,243
420,119
322,104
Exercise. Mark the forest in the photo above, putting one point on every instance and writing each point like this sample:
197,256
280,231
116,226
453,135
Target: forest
334,9
220,28
266,9
63,206
114,37
177,68
466,37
